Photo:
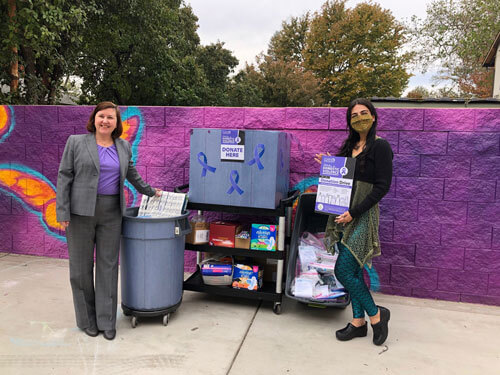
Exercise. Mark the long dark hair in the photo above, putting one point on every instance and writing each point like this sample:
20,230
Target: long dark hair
353,137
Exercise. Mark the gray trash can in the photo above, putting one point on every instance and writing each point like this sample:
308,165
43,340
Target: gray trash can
152,264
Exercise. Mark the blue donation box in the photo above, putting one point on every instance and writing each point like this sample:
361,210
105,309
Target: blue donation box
245,168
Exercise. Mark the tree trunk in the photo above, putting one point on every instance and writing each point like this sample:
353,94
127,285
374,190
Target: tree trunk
14,66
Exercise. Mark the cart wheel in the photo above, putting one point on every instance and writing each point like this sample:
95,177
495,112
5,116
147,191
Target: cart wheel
134,322
277,308
165,319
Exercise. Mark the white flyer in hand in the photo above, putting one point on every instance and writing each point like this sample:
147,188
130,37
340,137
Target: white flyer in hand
335,185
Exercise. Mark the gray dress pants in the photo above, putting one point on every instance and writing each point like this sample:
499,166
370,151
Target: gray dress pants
95,306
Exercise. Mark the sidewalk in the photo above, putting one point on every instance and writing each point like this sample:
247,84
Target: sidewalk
212,335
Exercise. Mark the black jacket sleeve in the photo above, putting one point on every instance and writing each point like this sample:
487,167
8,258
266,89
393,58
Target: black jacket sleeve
383,177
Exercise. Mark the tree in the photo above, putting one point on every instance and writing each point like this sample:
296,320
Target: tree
143,53
217,63
289,43
39,45
245,88
278,83
455,37
419,92
356,52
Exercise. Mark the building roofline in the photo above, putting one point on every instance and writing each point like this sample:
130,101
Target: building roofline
434,100
489,61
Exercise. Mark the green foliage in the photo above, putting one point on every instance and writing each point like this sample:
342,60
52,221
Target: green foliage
455,37
289,43
276,83
47,36
356,52
217,63
148,53
245,89
141,52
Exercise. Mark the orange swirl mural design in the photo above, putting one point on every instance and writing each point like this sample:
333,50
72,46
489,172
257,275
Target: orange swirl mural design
7,121
35,192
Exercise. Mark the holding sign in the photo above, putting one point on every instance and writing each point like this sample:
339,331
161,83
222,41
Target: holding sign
335,185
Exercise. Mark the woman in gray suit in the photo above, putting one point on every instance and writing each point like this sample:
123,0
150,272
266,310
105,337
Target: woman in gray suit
90,204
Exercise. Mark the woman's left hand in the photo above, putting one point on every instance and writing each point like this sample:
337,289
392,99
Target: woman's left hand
158,192
344,218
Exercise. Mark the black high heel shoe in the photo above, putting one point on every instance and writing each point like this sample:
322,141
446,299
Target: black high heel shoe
381,329
350,332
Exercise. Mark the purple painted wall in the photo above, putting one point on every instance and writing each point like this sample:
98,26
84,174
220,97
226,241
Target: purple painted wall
440,225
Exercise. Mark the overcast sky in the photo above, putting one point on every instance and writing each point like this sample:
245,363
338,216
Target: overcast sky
246,26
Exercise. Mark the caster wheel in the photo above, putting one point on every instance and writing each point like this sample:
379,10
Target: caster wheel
134,321
165,319
277,308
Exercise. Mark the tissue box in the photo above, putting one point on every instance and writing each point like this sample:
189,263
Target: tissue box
247,277
199,233
245,168
223,233
242,240
264,237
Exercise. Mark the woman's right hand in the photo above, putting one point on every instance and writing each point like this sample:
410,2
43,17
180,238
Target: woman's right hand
64,224
319,156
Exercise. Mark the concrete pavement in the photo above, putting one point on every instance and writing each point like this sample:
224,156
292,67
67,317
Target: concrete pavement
215,335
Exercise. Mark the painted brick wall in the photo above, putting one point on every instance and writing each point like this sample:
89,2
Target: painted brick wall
440,222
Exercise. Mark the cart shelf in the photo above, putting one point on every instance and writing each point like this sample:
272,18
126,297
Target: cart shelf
267,292
236,251
270,291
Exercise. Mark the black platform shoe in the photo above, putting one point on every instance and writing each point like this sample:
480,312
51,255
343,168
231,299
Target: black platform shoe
350,332
381,329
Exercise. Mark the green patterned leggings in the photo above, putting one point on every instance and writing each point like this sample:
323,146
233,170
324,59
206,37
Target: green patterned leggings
350,274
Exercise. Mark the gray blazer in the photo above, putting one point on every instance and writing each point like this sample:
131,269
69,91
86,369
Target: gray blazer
78,176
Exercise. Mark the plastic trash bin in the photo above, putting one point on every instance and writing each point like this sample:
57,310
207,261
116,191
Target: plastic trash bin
152,264
306,220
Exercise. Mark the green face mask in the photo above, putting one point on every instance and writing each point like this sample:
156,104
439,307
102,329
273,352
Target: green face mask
362,123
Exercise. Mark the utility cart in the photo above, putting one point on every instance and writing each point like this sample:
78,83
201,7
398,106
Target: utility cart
270,291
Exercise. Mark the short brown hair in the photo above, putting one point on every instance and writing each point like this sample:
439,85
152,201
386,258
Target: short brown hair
101,106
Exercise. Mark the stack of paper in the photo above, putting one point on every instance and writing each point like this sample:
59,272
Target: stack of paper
167,205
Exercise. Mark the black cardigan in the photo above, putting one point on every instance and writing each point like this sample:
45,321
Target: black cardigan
373,166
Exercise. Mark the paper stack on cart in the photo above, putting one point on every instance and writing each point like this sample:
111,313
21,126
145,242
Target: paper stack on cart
167,205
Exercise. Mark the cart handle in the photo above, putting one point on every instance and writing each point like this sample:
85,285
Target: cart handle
179,189
292,195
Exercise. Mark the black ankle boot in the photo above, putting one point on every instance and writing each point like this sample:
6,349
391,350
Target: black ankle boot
381,329
350,332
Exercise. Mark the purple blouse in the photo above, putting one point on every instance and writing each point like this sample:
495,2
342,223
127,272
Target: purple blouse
109,177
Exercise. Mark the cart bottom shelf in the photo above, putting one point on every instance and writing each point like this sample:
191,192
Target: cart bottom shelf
266,293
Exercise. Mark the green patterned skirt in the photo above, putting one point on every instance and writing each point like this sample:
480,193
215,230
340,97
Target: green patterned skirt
360,236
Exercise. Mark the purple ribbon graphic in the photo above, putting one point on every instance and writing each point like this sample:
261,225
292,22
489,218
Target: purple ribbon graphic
234,177
204,164
257,155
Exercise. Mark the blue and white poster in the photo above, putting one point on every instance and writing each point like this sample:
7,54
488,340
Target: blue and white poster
232,145
335,185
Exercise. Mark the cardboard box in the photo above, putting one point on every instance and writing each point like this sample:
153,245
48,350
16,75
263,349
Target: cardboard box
270,267
247,277
245,168
223,233
242,240
264,237
199,233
